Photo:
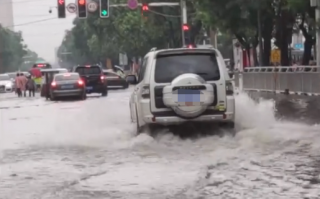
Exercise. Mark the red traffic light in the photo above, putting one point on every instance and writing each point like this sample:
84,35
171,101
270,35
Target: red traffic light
61,2
145,7
81,2
185,27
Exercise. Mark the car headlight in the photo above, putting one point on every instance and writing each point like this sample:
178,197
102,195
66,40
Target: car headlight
9,85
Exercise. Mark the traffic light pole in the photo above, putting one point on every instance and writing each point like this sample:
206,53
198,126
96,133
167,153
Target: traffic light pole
184,19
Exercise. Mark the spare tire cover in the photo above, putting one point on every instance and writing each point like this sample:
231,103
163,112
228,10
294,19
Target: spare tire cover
189,80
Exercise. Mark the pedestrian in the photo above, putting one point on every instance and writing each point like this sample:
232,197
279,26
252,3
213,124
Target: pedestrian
31,86
18,85
37,76
24,81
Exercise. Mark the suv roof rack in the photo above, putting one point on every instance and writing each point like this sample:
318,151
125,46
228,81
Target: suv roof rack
153,49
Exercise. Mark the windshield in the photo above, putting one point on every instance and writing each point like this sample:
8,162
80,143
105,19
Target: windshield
92,70
66,77
171,66
4,77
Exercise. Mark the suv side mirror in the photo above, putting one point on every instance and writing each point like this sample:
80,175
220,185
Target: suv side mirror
131,79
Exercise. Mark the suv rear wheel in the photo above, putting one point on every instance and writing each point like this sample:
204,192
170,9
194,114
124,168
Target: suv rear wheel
229,127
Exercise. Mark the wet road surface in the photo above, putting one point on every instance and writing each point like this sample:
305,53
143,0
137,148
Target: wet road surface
87,150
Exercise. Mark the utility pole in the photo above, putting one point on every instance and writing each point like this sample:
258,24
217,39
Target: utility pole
184,19
213,37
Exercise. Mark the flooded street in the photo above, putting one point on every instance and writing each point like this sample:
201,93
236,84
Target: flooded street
88,150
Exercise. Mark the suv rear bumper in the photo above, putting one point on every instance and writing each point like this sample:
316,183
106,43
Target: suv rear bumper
174,120
212,116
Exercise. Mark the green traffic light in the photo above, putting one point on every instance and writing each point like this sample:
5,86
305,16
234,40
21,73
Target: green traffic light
104,12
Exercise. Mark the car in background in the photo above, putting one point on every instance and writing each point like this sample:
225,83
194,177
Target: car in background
67,85
45,70
119,71
114,80
93,78
6,84
13,79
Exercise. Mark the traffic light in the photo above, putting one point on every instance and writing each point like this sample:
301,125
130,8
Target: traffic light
145,7
82,8
186,33
104,8
61,8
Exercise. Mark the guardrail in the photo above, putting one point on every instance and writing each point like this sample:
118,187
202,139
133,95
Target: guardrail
298,80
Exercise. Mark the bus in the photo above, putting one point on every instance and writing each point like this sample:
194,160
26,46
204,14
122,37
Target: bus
42,65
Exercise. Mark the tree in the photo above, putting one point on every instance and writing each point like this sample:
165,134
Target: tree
29,59
95,39
278,21
12,50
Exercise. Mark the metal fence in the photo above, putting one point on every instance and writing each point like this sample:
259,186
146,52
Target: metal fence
301,80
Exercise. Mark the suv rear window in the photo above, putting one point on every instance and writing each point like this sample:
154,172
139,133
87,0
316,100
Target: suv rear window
92,70
169,67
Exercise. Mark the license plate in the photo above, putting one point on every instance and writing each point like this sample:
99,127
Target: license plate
66,87
188,97
89,87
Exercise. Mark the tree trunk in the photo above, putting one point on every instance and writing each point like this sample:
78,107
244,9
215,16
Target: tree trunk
308,43
285,33
267,36
307,53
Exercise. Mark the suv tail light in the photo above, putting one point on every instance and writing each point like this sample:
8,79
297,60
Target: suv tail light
53,84
80,83
229,88
145,92
102,78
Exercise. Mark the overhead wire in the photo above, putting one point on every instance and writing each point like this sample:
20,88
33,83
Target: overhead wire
18,2
32,22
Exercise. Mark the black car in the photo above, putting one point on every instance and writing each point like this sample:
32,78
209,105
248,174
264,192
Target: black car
115,80
93,78
67,85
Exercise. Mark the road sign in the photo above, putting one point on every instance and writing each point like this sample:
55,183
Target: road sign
71,7
275,56
92,6
133,4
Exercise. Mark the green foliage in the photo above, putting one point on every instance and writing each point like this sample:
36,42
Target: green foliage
94,39
279,19
30,58
12,50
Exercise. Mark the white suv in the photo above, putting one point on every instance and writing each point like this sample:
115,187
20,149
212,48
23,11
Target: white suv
175,86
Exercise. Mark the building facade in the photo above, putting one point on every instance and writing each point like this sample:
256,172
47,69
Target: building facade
6,14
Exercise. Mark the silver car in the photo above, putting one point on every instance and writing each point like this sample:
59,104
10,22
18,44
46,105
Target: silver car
6,85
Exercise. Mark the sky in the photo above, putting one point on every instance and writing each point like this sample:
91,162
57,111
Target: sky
42,31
